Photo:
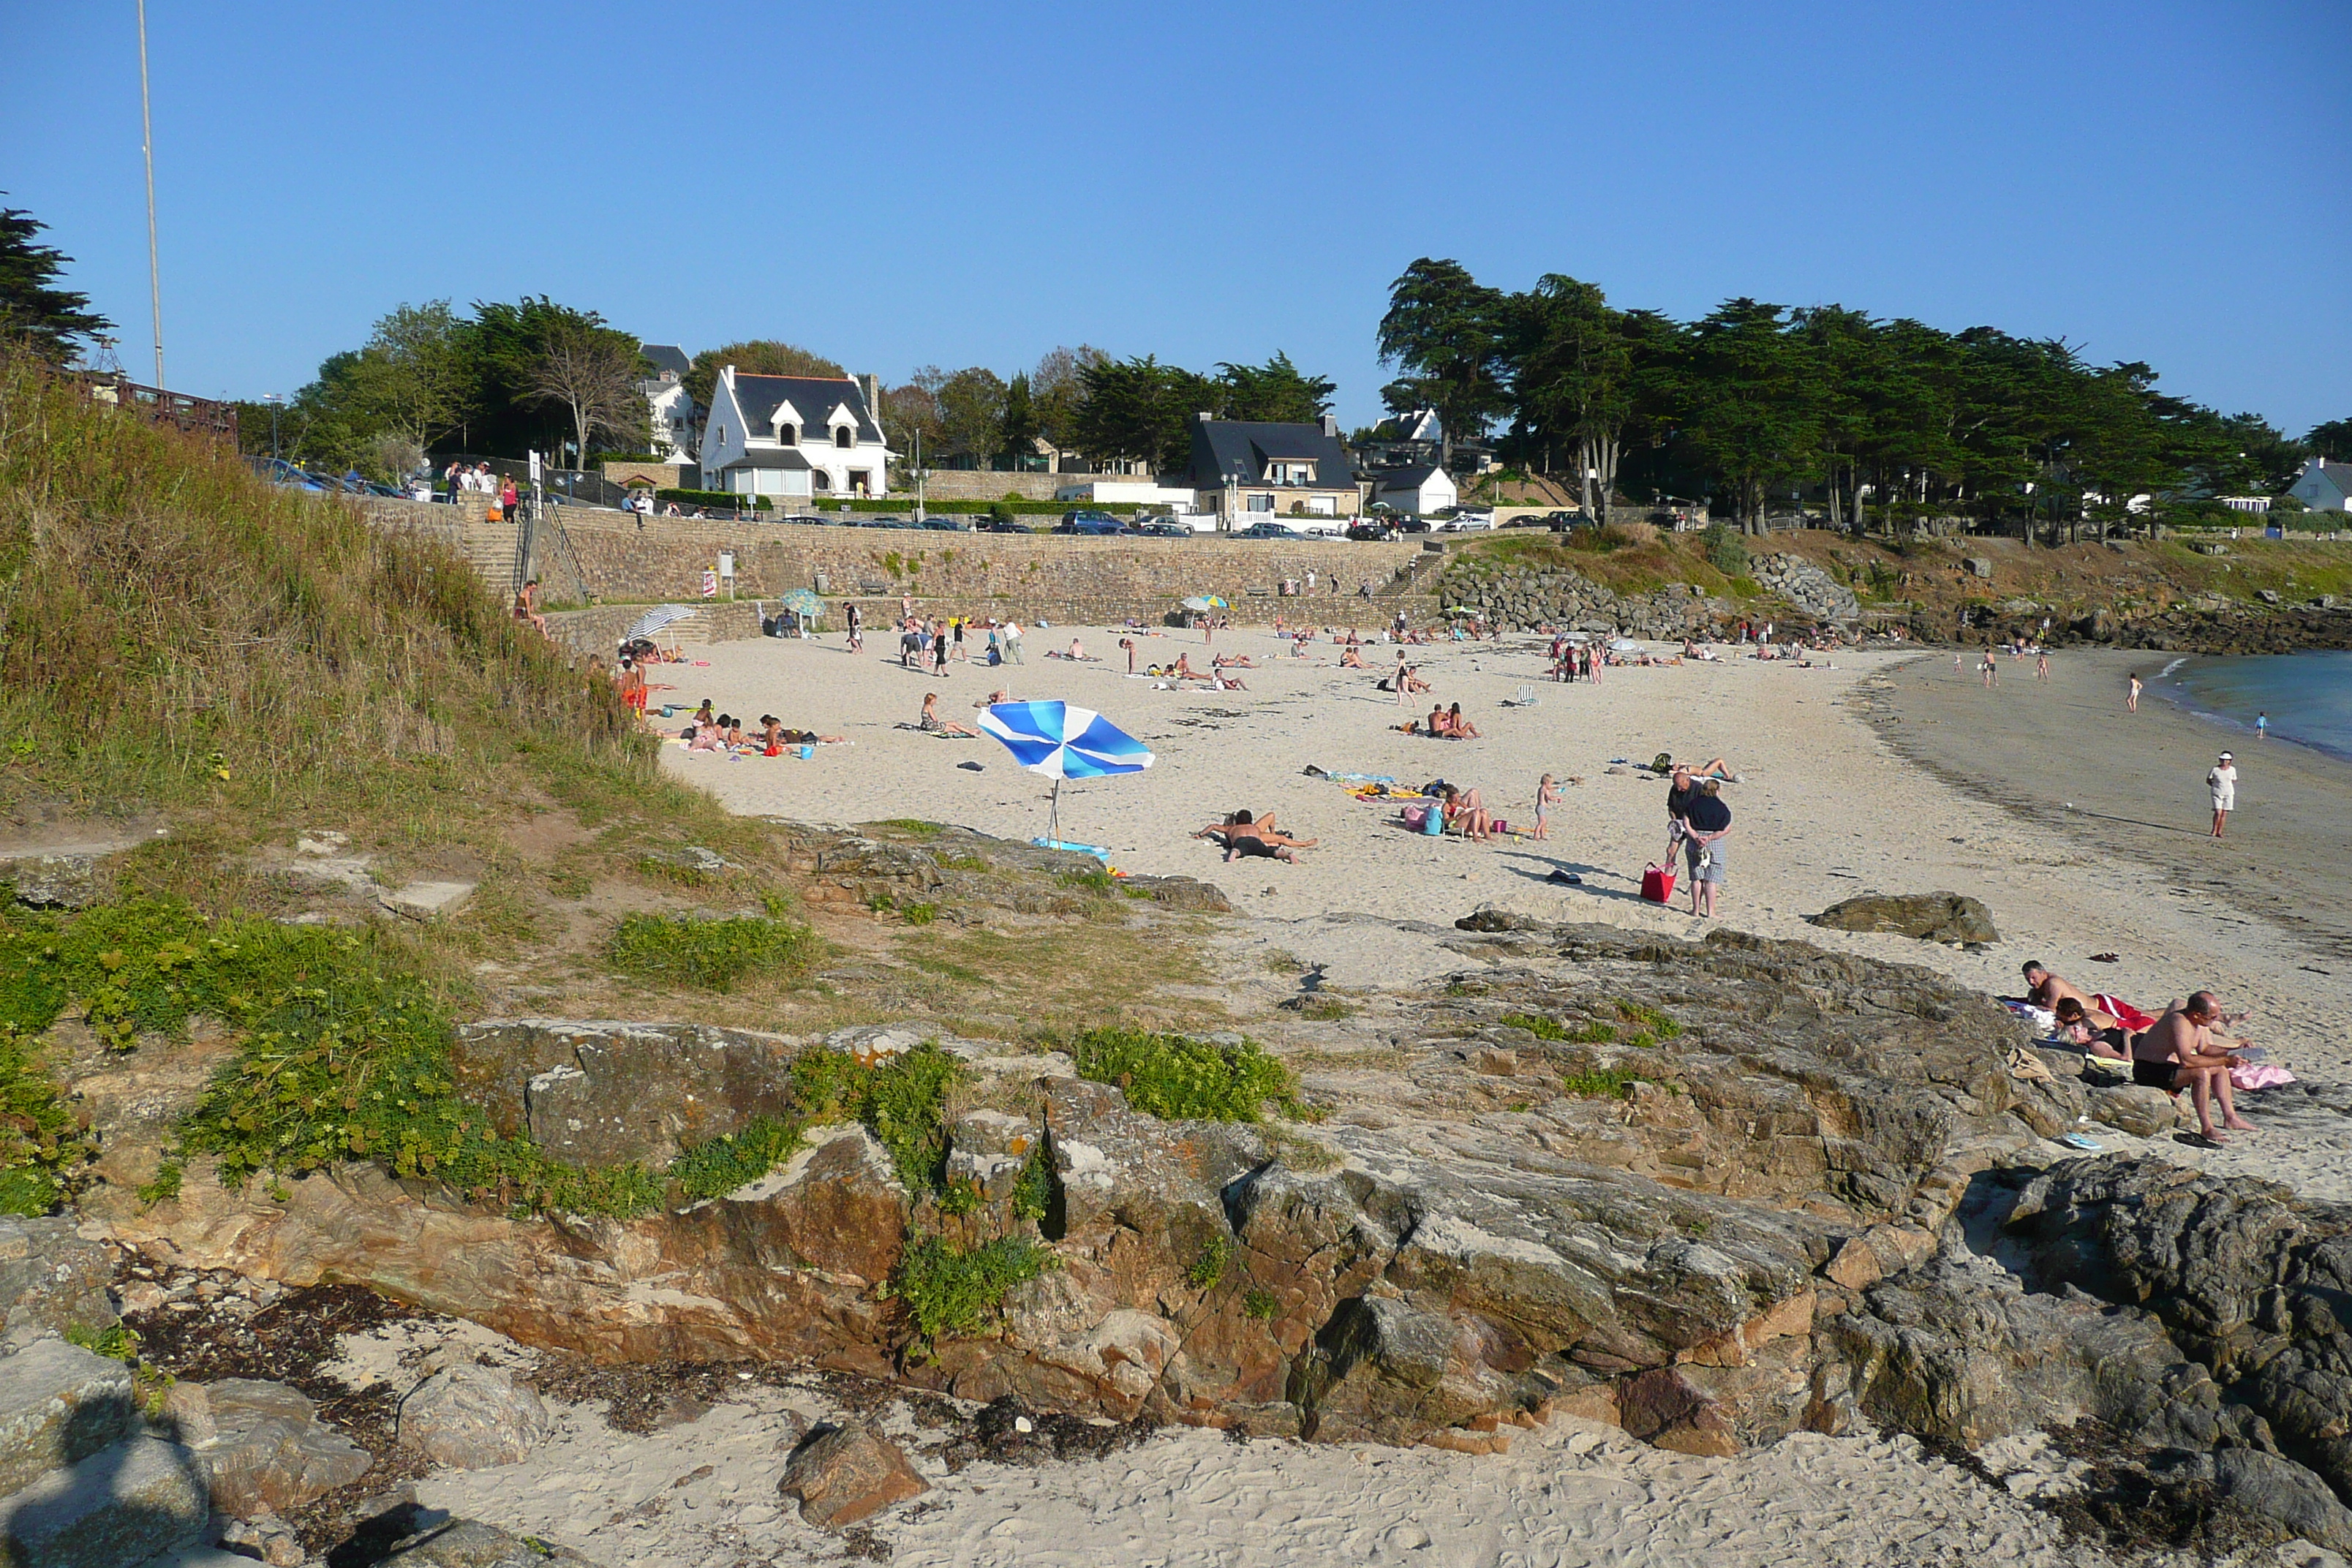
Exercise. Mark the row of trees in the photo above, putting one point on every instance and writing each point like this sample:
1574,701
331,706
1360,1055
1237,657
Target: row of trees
1082,400
507,379
1762,407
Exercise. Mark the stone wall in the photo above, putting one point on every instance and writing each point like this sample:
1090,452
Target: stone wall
980,484
1031,577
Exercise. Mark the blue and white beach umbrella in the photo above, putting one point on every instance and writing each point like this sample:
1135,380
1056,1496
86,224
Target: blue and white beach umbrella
1063,741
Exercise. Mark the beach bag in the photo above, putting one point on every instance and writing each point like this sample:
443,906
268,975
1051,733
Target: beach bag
1433,821
493,515
1414,815
1657,883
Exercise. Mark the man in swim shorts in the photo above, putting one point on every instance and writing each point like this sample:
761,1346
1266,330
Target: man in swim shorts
2178,1052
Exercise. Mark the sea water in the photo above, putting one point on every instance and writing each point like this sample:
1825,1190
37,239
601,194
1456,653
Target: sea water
2308,695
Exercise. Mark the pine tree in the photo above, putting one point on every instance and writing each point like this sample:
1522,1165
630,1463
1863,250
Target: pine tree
47,318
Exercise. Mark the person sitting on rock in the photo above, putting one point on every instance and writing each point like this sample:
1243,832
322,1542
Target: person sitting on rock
2180,1053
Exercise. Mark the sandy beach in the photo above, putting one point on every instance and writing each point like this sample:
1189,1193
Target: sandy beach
1832,805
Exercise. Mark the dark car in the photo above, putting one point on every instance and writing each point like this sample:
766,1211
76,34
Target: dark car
1004,525
939,524
1164,528
1266,531
1372,531
1098,523
806,519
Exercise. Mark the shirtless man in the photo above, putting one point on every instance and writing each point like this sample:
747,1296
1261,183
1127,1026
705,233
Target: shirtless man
2180,1053
2044,989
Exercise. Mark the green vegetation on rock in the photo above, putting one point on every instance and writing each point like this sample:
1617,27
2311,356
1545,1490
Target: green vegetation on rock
1179,1079
950,1290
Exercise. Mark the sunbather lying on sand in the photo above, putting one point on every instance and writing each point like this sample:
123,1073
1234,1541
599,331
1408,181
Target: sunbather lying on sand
1240,661
1243,829
992,699
2096,1028
775,736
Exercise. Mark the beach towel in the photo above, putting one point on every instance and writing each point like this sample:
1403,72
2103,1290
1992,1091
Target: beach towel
2043,1020
2258,1074
2123,1012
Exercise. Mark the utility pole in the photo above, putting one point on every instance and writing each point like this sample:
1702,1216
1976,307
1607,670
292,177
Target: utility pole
147,146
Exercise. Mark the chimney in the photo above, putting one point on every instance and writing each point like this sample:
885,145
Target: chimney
1330,424
1204,416
871,385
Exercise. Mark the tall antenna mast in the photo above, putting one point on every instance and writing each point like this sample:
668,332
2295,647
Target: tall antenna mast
147,146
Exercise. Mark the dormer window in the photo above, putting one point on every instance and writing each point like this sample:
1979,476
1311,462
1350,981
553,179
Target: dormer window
789,433
843,436
1289,473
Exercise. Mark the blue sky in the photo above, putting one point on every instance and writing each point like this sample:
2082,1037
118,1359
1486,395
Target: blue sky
901,184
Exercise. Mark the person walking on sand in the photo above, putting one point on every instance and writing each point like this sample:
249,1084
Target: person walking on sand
1013,640
1989,669
2042,665
2262,726
2222,780
2131,703
856,630
1546,797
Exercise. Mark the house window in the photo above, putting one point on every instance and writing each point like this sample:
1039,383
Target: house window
820,480
723,434
844,436
1288,474
1261,503
789,433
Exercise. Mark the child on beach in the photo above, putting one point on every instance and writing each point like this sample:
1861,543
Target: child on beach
1546,797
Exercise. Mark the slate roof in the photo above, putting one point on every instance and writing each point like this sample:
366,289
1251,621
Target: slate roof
1411,477
815,397
2337,474
1239,450
787,457
666,356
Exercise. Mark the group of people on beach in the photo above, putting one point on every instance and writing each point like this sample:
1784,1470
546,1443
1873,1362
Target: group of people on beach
2181,1048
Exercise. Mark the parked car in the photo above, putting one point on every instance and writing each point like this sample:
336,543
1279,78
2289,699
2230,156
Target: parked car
1265,531
807,520
1561,522
1373,531
1165,528
943,523
1004,525
1087,521
277,471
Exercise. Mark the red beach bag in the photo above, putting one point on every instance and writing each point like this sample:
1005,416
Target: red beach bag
1657,883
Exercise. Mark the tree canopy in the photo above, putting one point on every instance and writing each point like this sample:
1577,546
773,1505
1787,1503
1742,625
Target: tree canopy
1759,407
53,321
753,356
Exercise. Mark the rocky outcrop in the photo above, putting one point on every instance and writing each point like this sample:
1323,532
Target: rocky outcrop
470,1543
962,874
1812,591
1526,597
1928,917
262,1447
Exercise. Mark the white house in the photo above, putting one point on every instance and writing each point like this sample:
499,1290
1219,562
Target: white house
1420,489
2324,486
795,439
665,395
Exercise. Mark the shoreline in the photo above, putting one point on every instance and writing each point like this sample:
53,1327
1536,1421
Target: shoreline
2176,690
2073,762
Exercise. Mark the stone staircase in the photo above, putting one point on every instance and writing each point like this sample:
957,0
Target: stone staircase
489,549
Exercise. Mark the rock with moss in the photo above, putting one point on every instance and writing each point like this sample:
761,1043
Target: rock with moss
1926,917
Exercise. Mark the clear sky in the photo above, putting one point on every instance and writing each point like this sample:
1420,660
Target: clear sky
895,185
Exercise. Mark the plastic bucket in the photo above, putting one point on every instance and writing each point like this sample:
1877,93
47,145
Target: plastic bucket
808,752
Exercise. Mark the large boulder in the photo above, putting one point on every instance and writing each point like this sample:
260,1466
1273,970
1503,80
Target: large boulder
470,1543
848,1473
58,1405
472,1417
262,1447
1929,917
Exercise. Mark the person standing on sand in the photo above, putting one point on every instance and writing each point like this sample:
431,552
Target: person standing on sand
2042,665
2222,780
856,630
1546,797
1705,824
1013,640
2262,726
2178,1052
2131,703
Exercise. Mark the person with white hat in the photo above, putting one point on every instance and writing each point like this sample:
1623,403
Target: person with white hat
2223,782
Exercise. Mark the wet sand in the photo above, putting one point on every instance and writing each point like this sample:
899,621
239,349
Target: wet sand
2065,755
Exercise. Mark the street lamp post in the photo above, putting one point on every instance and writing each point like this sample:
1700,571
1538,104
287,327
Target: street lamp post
273,399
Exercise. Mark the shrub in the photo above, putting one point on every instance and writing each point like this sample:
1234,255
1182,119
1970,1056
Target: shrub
1540,1028
1179,1079
950,1290
1654,1020
1601,1083
1263,1305
901,1100
732,1160
711,953
1725,549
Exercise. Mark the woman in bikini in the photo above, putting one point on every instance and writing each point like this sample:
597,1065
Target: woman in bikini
1458,727
931,723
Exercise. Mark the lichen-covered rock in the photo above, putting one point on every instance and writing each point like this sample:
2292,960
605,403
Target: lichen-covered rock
1929,917
469,1544
848,1473
58,1405
263,1449
471,1417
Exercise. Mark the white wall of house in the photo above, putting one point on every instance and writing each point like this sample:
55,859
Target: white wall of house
2316,488
673,419
862,468
1139,492
1435,491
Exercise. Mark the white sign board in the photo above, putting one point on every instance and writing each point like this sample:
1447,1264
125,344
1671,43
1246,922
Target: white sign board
727,564
534,468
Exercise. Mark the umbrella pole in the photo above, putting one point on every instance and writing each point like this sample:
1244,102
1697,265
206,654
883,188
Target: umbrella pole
1053,815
